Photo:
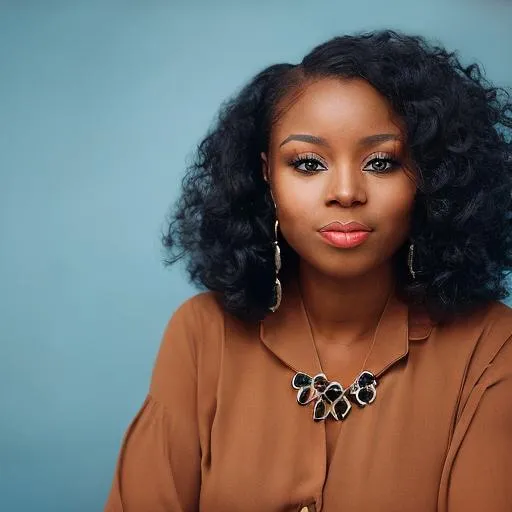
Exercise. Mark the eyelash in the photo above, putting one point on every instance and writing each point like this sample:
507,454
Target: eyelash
311,157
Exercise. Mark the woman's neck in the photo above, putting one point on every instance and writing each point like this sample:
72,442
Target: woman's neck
344,310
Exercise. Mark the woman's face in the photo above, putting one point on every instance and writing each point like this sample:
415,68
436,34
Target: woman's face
337,155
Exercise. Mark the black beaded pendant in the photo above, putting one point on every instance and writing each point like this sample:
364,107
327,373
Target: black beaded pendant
330,397
363,389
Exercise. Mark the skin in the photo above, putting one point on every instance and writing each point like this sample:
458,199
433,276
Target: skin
344,289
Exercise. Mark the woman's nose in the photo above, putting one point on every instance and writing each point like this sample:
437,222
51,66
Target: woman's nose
346,186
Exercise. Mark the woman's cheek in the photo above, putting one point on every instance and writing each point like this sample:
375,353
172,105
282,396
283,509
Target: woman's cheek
400,221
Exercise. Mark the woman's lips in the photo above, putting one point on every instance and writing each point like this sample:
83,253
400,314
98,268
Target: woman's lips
345,240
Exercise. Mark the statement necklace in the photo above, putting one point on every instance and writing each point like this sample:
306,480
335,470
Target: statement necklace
329,397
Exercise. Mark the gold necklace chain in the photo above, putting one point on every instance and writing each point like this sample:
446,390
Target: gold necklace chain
313,337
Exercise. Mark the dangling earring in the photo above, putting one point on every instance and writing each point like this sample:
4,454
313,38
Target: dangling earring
410,259
277,263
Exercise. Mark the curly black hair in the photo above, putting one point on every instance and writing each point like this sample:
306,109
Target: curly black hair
458,129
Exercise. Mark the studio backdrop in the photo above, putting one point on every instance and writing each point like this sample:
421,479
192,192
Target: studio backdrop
101,105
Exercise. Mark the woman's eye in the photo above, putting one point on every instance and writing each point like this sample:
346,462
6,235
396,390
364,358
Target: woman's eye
308,165
381,165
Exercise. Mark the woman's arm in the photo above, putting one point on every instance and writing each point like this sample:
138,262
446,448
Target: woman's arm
480,454
158,468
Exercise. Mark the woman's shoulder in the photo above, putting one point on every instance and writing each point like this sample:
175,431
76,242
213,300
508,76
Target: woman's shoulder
205,310
487,336
201,310
496,335
487,321
191,339
494,321
499,308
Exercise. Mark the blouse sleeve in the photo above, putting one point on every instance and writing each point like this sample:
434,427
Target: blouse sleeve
481,448
158,467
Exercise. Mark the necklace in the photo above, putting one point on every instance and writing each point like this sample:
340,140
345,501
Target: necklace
329,397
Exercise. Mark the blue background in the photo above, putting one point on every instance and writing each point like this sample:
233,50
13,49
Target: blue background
101,104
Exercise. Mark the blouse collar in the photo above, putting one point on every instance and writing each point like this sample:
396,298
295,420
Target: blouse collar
286,333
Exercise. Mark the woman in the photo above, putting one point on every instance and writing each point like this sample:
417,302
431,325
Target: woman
372,365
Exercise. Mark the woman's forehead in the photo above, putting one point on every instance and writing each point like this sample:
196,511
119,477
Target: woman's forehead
336,106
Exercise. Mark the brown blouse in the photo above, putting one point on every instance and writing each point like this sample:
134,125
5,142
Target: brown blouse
220,429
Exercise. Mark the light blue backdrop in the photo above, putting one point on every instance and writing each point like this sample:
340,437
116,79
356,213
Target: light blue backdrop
100,104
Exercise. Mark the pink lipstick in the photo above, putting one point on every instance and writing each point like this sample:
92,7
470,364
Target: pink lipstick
346,235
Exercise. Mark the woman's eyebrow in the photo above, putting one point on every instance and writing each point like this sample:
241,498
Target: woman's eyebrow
304,137
370,140
379,138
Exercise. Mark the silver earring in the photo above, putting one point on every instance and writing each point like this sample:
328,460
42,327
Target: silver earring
277,263
410,259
